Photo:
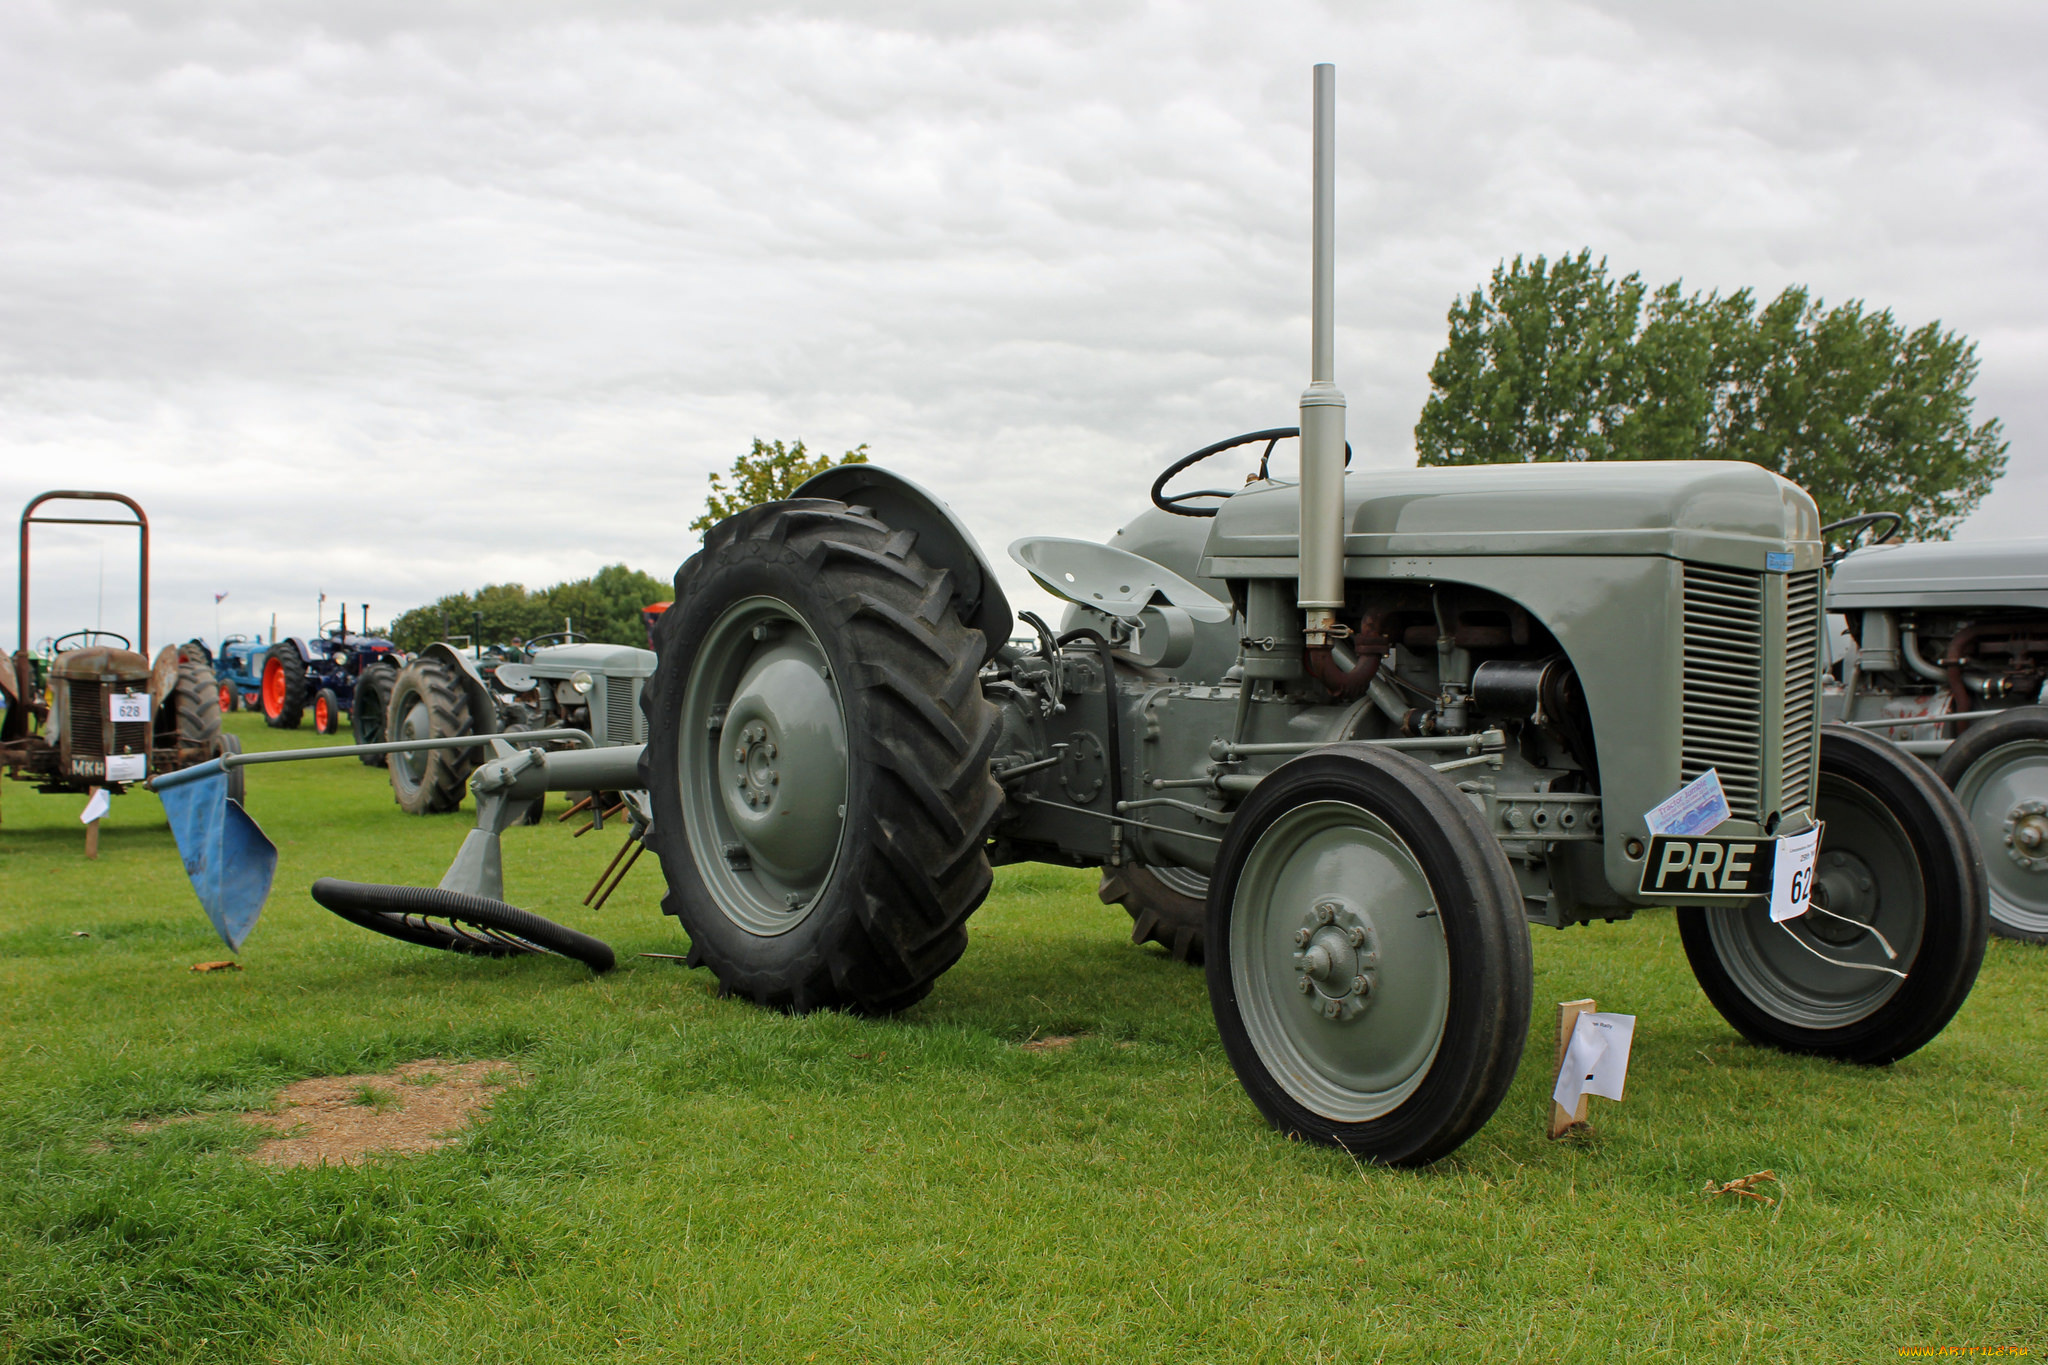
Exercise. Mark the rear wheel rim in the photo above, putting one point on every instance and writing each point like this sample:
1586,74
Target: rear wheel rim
418,724
2005,794
1179,880
1867,872
227,697
1350,1034
763,765
273,688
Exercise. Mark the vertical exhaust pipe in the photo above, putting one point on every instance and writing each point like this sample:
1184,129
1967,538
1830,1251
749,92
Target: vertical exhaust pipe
1321,588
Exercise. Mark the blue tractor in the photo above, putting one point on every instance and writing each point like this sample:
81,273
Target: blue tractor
336,674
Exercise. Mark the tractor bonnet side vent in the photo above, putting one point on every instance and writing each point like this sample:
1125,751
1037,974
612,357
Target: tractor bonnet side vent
621,709
1802,684
1722,718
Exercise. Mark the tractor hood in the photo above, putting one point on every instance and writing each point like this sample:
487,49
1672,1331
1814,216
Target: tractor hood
1713,511
618,661
1984,573
103,662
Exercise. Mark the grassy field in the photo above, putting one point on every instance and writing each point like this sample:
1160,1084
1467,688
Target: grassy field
686,1178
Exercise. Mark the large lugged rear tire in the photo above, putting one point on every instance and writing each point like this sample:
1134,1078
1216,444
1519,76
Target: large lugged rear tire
1998,770
426,703
1167,905
366,717
1897,854
818,759
284,686
1368,956
196,697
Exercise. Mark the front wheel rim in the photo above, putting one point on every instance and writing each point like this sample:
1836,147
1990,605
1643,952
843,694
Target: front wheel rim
2005,794
1339,962
764,765
1867,872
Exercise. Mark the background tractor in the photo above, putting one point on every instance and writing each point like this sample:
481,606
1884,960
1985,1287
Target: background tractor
328,674
1944,648
102,713
563,681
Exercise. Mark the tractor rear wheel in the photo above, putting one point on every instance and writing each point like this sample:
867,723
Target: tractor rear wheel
366,717
1999,772
1368,956
1167,906
195,697
284,686
818,760
1897,856
426,703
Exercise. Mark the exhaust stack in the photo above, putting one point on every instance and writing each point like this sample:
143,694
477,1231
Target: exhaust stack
1321,591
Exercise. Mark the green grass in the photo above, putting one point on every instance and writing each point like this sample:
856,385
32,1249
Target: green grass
688,1178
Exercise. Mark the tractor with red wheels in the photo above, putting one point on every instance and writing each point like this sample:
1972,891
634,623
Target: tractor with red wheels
337,675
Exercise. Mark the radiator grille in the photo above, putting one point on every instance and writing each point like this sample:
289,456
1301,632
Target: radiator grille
1722,726
1802,662
88,725
620,709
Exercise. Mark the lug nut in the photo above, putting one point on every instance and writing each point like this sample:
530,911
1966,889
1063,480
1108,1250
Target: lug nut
1301,937
1356,935
1306,985
1361,985
1325,914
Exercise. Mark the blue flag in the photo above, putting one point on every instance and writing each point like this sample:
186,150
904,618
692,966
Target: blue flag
230,861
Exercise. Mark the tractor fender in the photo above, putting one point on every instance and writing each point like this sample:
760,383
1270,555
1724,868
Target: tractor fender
942,541
163,675
483,707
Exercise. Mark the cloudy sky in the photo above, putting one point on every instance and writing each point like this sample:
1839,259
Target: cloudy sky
392,299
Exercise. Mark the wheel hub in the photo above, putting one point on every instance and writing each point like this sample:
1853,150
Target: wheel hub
755,754
2026,835
1336,956
1845,887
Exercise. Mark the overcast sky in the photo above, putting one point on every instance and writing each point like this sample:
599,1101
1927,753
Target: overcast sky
390,299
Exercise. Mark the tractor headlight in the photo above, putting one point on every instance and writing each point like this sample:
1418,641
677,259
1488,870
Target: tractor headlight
582,681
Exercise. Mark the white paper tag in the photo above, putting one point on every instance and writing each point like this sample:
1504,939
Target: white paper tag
129,707
1792,878
127,767
97,806
1695,808
1596,1061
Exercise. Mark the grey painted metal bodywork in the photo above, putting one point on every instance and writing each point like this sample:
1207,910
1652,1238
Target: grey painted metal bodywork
1597,556
1984,573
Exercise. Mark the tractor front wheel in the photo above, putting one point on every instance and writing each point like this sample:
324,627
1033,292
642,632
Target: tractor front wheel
326,712
426,703
1892,944
1368,958
284,686
818,760
230,700
1999,772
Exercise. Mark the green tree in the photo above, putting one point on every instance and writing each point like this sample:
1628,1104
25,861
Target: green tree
768,473
606,607
1559,361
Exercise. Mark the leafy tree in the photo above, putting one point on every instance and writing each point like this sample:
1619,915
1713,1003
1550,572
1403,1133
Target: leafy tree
1562,362
768,473
606,606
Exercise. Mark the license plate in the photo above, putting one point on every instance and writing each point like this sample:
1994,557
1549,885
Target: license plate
1683,868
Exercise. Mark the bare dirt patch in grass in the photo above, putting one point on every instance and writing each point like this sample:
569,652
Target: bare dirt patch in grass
414,1107
1050,1044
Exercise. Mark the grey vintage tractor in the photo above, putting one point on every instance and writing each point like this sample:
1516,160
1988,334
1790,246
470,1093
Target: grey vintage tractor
1944,649
1456,702
1457,697
563,682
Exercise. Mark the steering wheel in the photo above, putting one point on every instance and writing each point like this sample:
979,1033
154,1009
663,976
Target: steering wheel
571,636
57,645
1857,527
1176,503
